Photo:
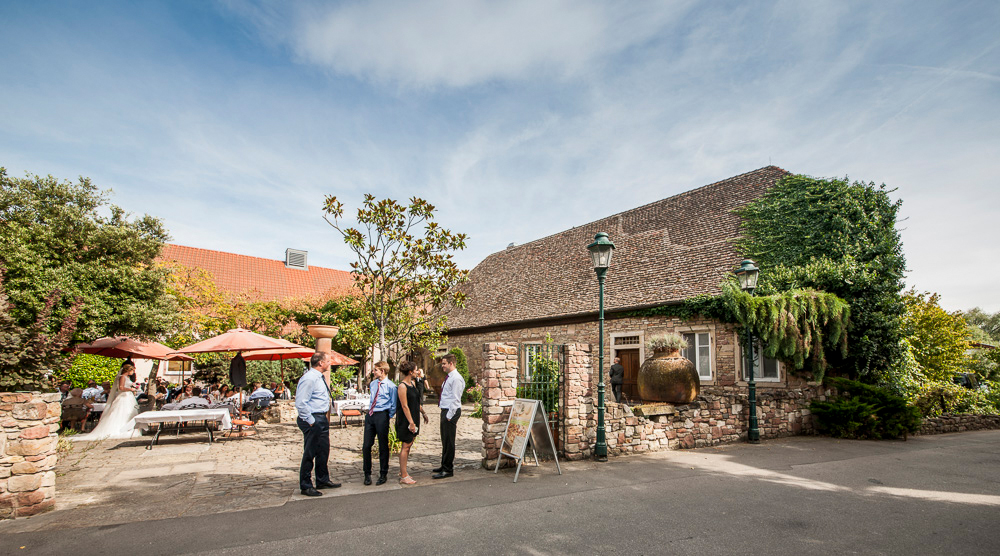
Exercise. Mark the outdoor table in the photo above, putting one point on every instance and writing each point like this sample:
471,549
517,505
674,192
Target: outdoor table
98,407
173,419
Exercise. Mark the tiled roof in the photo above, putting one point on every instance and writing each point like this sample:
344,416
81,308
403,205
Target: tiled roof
267,277
665,251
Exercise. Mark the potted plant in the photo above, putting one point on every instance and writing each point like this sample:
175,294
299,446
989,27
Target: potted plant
668,376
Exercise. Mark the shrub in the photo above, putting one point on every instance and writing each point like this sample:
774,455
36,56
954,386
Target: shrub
477,413
863,411
544,384
462,366
938,397
474,394
86,367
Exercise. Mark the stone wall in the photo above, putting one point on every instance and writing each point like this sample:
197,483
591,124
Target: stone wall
718,416
725,352
29,423
959,423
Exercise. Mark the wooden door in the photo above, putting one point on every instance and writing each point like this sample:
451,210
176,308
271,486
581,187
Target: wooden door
630,386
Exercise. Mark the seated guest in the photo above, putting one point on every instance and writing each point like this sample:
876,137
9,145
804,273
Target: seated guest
186,393
262,393
193,401
91,391
75,408
64,388
102,396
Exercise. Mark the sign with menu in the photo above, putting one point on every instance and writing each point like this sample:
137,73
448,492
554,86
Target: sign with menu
526,427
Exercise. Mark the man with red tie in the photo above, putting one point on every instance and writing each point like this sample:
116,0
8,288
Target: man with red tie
380,412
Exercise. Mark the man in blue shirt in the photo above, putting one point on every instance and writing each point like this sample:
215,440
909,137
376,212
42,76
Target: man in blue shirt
312,402
262,393
382,409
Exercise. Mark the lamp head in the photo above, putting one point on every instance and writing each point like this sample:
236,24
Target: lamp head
747,274
600,251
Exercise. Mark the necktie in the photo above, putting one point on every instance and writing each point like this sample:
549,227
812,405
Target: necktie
445,381
375,399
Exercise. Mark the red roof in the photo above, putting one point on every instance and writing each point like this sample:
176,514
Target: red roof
268,277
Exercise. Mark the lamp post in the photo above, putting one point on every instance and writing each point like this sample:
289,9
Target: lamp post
600,255
747,274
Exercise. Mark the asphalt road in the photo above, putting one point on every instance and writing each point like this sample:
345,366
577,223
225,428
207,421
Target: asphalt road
930,495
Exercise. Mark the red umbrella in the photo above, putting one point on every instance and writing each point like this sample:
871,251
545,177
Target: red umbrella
121,347
237,339
297,352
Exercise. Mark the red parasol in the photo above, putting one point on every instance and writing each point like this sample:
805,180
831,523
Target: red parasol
122,347
297,352
237,339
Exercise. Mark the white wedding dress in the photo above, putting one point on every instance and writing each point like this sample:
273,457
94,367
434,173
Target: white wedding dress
118,419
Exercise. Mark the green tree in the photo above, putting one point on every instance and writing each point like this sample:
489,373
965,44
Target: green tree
839,237
29,354
344,312
988,323
404,270
86,367
939,339
54,236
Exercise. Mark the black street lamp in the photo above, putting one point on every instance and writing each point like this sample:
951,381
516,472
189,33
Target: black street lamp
747,274
600,254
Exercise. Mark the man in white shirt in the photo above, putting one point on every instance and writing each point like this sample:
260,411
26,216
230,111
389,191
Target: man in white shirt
451,410
91,391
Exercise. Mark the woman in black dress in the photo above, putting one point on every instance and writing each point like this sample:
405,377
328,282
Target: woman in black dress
407,418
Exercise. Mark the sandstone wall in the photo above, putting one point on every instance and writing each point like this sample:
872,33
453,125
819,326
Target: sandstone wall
29,424
959,423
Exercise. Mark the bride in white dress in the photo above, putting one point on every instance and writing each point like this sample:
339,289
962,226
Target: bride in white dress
118,419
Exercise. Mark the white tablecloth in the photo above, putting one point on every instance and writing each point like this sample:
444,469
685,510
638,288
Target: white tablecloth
340,405
184,416
98,407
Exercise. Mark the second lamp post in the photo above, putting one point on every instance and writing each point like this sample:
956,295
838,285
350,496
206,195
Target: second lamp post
747,274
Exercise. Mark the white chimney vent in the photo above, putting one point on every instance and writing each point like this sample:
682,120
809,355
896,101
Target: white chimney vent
296,258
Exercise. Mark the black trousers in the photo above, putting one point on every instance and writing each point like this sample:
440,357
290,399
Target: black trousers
616,389
449,428
316,448
376,424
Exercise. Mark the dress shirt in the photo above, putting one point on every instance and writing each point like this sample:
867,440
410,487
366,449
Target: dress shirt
89,393
451,393
262,393
312,396
386,396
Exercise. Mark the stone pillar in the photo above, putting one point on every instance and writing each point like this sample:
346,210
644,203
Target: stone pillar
499,380
581,404
29,424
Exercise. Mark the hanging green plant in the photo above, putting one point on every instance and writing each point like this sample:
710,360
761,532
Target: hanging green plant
796,326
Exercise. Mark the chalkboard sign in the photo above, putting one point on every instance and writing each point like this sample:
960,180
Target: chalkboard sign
526,426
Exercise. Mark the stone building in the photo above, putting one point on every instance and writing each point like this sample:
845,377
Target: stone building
666,251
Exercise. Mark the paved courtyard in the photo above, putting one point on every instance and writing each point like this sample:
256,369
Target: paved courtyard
121,481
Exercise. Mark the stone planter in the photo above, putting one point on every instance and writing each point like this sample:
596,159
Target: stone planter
324,335
668,377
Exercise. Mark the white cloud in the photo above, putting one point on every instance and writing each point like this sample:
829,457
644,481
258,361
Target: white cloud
458,43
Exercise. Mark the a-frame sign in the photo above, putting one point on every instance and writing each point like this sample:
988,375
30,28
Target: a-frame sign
526,425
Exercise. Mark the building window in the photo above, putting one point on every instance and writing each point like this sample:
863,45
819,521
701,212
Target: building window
699,352
769,371
626,340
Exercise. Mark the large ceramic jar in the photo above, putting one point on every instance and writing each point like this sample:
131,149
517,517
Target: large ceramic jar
668,376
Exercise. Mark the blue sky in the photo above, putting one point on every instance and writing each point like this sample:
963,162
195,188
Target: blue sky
232,120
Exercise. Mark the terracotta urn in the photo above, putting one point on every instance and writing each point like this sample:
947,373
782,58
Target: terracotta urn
668,376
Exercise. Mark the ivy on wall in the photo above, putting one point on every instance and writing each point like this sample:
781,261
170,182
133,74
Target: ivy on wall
796,326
